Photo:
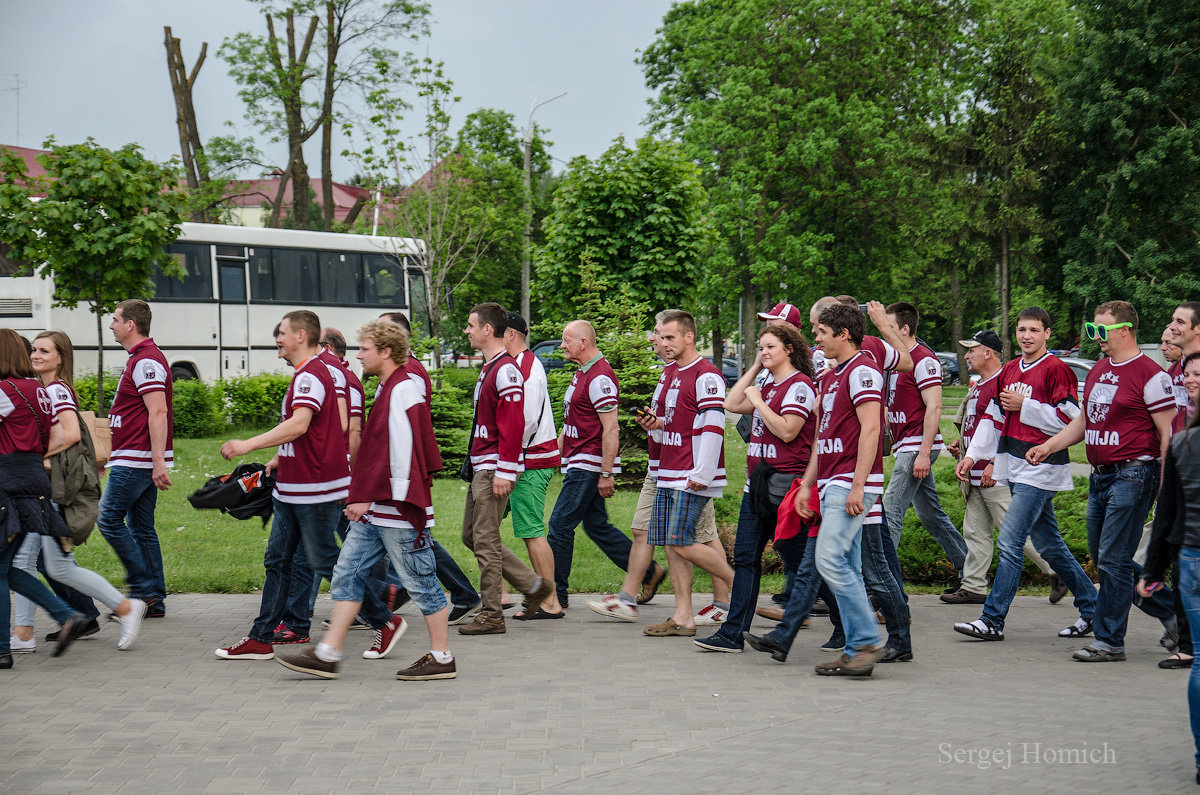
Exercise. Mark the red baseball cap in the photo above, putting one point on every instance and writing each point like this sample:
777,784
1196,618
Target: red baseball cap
784,312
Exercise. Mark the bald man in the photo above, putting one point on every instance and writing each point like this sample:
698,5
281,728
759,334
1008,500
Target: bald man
588,445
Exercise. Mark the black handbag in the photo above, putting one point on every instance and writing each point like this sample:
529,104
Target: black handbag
466,472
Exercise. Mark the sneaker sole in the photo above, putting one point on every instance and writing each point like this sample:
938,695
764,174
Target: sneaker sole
467,617
124,642
449,675
863,671
277,642
368,655
302,670
713,647
227,656
600,611
978,635
23,651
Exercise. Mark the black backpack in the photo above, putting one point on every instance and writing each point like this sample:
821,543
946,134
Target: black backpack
243,493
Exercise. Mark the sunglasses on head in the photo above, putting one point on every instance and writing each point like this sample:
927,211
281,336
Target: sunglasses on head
1099,331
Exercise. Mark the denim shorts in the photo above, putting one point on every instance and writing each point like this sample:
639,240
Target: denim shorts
411,553
674,518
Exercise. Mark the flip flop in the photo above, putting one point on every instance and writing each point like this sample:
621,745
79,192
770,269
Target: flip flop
540,615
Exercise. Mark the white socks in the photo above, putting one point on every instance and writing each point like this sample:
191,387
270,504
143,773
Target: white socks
328,653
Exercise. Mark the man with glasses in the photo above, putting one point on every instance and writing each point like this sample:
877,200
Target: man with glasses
1035,399
1126,426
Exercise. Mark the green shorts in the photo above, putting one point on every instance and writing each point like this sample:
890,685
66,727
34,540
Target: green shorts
528,503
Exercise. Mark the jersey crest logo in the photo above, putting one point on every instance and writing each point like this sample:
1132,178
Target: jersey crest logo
1110,377
304,388
1099,402
712,389
43,401
149,371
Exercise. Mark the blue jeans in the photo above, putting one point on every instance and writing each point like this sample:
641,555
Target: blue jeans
1189,590
1031,515
26,585
366,544
881,584
805,589
753,534
921,493
1117,508
580,501
314,523
126,521
839,560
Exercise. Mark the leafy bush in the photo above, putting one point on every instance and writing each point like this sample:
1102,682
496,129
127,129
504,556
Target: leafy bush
461,377
622,323
86,386
253,401
451,410
198,409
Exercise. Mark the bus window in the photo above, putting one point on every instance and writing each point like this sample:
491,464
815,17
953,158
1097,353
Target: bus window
339,277
383,281
233,281
419,314
260,274
197,274
295,276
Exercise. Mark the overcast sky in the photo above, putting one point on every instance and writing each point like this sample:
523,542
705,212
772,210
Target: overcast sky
98,69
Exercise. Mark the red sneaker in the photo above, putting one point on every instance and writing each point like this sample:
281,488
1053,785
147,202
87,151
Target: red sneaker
247,649
385,638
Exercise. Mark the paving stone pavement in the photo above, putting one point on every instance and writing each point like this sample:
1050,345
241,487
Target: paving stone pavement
585,704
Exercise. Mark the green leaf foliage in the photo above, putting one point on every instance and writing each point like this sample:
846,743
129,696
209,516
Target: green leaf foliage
636,216
254,401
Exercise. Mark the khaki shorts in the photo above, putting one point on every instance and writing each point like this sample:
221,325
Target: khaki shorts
706,528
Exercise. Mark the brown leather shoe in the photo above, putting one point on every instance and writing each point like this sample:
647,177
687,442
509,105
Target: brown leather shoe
307,662
483,626
772,613
1058,589
963,597
428,668
648,589
861,664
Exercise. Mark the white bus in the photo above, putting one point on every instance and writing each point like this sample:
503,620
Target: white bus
238,282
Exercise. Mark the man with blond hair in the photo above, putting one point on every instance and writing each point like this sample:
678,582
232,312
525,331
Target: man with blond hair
390,507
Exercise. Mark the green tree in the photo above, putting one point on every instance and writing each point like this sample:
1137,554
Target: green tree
100,227
1129,202
637,215
806,122
465,205
294,81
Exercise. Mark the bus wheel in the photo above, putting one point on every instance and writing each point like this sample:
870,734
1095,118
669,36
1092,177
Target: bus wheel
181,373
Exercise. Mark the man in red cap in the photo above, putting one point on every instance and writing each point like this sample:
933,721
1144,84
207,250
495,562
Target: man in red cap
783,312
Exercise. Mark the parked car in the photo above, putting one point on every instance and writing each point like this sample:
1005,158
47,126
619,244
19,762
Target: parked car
549,355
949,362
1081,368
731,371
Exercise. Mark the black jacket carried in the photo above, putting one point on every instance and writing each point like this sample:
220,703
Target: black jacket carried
25,505
1177,517
243,493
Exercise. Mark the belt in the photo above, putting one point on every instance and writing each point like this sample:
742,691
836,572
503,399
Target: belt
1112,469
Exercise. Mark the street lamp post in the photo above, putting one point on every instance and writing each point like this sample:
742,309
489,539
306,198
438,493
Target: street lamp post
527,252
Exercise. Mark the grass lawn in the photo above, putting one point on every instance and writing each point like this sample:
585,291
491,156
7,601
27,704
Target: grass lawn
207,551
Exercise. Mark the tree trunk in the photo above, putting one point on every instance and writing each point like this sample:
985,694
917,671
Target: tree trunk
191,150
101,409
956,321
1005,309
331,53
749,317
718,340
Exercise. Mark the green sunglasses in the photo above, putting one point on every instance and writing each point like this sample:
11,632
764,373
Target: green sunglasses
1099,331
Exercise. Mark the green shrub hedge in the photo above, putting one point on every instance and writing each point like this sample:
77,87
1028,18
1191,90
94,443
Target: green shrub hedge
198,410
252,401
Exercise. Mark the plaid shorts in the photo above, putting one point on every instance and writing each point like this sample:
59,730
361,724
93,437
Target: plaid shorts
674,518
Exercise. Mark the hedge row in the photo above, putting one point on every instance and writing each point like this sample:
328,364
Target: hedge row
253,402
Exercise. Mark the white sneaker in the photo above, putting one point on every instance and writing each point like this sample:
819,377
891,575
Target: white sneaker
131,624
18,646
710,616
612,607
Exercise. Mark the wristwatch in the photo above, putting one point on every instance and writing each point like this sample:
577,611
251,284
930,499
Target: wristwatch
606,474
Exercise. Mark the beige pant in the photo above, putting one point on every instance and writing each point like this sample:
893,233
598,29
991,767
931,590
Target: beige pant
481,535
706,528
985,513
